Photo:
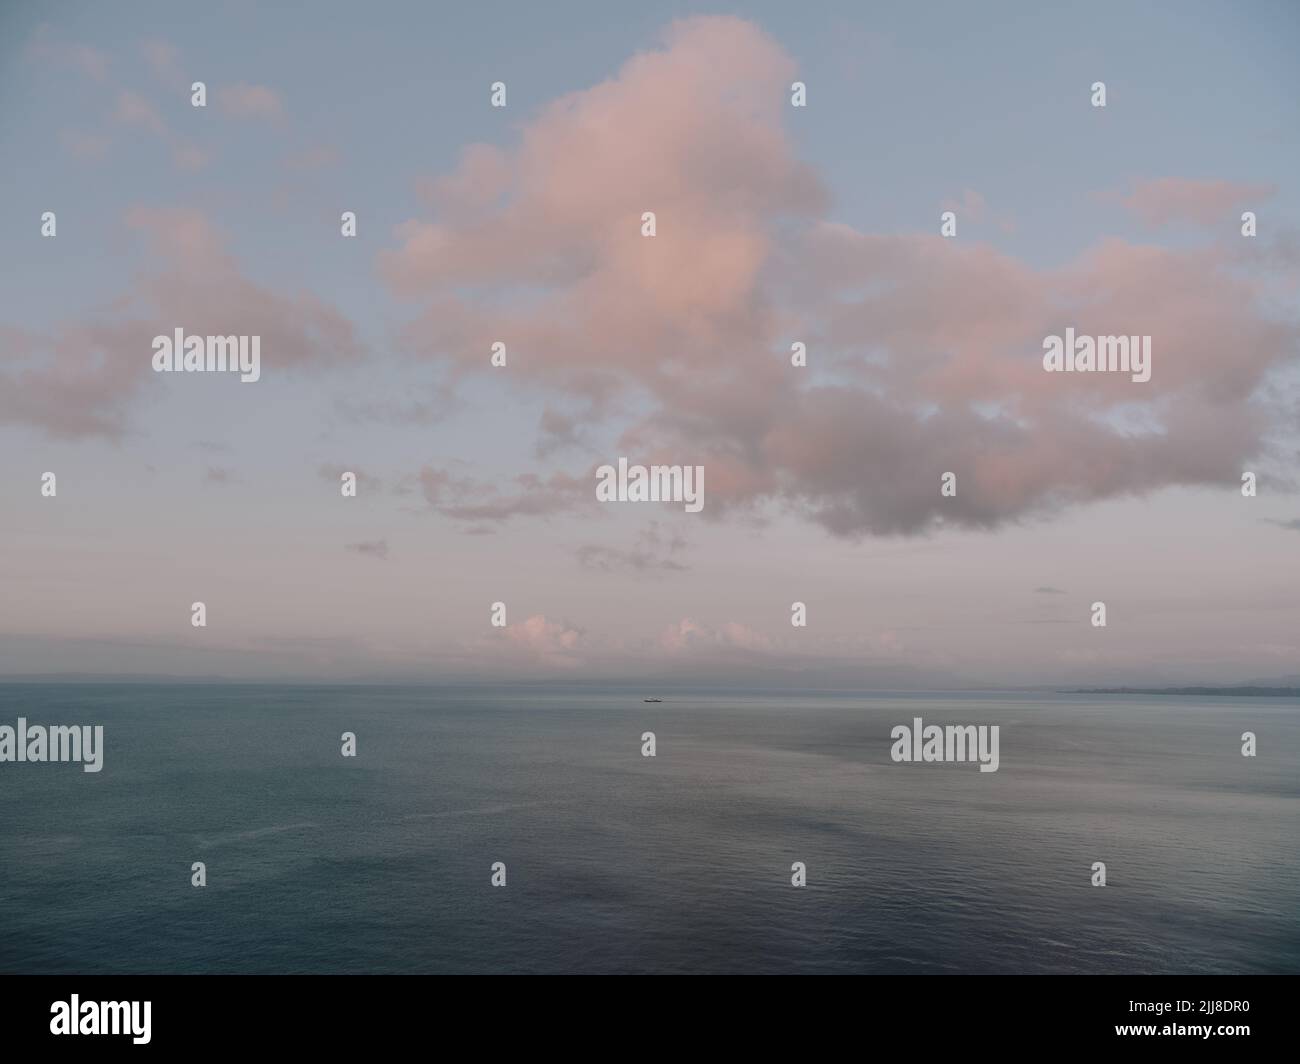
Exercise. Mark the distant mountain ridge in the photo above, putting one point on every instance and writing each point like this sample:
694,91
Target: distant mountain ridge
1242,691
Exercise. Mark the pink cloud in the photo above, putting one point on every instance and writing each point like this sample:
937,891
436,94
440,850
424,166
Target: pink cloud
85,145
163,58
204,289
973,207
79,379
555,644
1163,201
190,157
132,109
250,101
45,48
480,180
688,635
926,352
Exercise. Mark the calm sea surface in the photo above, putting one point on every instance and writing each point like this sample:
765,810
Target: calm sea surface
619,863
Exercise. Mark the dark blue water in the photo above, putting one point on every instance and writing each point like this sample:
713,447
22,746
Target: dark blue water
619,863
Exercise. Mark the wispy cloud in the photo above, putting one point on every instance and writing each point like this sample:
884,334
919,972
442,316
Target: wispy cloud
250,101
655,551
1164,201
163,58
132,109
218,475
46,47
375,548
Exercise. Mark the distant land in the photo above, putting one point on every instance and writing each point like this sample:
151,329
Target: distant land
1228,692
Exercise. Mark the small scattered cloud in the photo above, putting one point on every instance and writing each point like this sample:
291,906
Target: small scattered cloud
366,483
655,551
372,548
190,157
250,101
163,58
613,559
558,431
388,411
689,635
1164,201
466,499
45,48
555,643
132,109
84,146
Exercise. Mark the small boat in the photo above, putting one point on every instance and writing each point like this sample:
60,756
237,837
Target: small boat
652,700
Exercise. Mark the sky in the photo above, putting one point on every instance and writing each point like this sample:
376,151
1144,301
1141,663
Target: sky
775,224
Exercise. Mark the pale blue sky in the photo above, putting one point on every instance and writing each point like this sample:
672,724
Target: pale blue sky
909,105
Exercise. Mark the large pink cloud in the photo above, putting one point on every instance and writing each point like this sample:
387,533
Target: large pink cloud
925,352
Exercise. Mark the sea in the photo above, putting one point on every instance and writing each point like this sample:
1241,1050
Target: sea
615,862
